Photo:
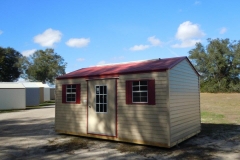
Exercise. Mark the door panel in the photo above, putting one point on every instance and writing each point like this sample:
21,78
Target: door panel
101,107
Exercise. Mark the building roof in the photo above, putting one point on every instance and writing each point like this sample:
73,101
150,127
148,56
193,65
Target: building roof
126,68
11,85
30,85
40,84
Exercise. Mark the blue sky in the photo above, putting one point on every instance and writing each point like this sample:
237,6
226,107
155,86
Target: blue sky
87,33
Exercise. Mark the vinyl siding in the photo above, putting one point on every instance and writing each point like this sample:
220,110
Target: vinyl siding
71,117
32,96
184,102
11,98
147,123
144,124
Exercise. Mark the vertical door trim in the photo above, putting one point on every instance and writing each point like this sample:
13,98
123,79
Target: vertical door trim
116,134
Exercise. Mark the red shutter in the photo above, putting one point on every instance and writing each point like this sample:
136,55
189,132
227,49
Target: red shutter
128,92
64,93
151,92
78,93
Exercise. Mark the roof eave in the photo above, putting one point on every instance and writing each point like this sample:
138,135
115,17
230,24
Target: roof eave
112,74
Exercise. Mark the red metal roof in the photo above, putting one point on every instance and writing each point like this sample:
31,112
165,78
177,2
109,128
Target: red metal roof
124,68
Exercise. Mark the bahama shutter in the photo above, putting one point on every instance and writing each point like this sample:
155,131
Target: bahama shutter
64,93
78,93
151,92
128,92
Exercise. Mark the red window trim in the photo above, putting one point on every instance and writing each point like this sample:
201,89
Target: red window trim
151,92
78,94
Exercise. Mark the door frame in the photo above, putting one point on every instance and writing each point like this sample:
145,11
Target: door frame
116,107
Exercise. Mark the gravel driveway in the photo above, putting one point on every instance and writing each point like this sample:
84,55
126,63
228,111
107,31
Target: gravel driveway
29,134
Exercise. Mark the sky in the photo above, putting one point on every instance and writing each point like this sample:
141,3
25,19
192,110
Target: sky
92,32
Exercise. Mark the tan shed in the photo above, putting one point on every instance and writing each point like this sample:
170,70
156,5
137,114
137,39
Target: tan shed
154,102
52,93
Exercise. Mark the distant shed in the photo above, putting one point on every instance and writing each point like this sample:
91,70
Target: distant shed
32,94
12,96
45,91
153,102
52,93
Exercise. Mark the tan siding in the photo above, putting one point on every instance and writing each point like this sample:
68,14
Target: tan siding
183,101
144,122
71,117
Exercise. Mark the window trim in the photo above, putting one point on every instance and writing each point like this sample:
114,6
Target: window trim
151,92
140,91
77,97
71,93
106,94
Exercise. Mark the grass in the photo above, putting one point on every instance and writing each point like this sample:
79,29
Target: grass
46,103
220,117
210,117
9,111
220,108
67,146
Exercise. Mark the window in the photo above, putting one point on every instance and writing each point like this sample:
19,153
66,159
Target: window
71,93
101,98
140,92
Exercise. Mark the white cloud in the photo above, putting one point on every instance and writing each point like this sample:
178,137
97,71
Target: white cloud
101,62
139,47
154,41
80,59
223,30
187,30
48,37
1,32
186,43
78,42
28,52
188,33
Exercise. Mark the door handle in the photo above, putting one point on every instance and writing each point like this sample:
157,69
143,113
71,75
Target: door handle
89,106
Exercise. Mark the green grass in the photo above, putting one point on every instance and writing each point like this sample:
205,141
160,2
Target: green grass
210,117
46,103
9,111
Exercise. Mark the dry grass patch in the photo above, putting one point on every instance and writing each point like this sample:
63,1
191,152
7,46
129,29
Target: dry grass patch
67,146
221,108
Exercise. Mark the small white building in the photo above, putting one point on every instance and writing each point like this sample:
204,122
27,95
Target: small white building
12,96
46,90
32,94
52,93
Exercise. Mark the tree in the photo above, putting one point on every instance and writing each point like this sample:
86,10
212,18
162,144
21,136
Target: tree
218,64
43,66
9,64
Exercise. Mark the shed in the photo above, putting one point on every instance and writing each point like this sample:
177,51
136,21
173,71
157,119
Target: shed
12,96
46,91
153,102
52,93
32,94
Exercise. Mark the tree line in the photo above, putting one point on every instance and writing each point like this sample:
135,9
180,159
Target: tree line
42,65
218,64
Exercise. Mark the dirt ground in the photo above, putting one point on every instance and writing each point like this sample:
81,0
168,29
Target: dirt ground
30,134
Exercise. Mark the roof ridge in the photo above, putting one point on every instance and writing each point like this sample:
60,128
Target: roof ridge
125,62
151,65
